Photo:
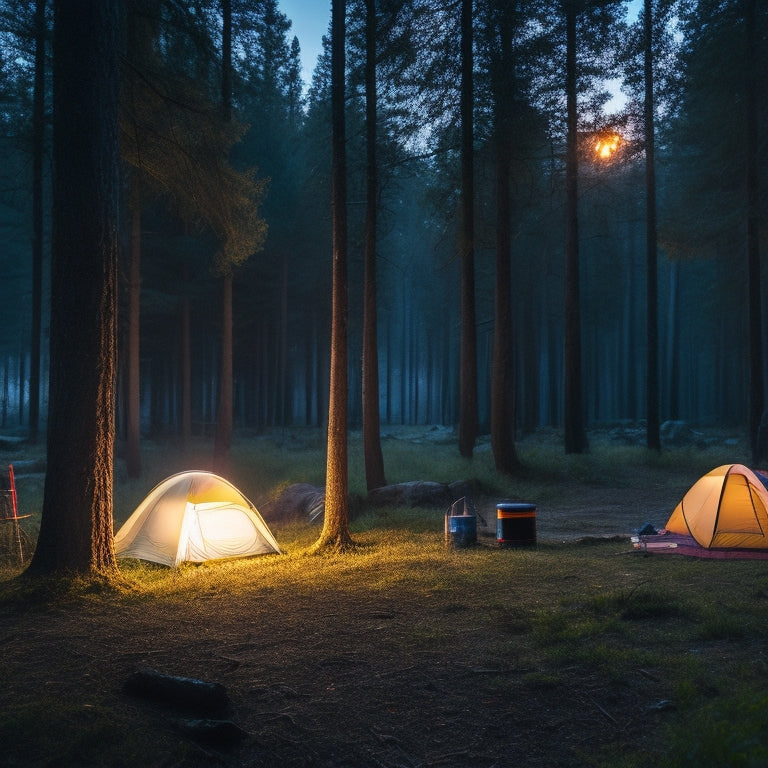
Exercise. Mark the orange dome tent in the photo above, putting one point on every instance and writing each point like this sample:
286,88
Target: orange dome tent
724,514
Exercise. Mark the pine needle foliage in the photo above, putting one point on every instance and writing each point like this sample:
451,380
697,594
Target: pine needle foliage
173,132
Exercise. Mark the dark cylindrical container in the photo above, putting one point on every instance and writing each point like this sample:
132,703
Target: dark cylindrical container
516,524
462,530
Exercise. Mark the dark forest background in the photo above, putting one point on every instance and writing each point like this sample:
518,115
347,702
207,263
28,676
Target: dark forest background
248,194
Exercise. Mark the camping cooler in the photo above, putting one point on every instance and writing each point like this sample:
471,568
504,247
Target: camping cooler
516,524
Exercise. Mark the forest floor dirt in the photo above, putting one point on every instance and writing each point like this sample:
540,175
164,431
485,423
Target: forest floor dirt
323,681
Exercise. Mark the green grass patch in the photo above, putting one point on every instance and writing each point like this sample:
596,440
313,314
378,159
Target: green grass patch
559,623
728,731
555,614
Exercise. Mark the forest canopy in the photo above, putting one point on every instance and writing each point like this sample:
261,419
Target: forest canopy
253,193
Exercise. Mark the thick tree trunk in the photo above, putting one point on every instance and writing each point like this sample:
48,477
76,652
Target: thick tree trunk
468,419
502,384
335,533
186,371
756,384
133,396
673,343
76,524
283,397
575,433
311,415
374,459
223,441
38,147
653,438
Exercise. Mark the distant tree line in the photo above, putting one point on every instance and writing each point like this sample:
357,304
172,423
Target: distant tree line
225,180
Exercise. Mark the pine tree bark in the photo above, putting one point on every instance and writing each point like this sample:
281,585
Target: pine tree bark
186,371
653,437
223,440
468,418
335,533
575,433
133,395
673,343
38,147
283,397
76,524
503,414
374,459
756,383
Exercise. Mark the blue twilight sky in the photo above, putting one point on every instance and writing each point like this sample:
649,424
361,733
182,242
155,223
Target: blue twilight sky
311,20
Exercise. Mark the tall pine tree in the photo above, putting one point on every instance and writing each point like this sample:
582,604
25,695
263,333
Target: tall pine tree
76,523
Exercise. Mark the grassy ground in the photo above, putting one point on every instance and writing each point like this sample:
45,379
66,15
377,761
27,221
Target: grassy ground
406,652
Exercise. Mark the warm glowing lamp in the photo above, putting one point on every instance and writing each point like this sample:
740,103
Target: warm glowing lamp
606,145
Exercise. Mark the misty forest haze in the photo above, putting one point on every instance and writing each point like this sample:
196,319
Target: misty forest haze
190,212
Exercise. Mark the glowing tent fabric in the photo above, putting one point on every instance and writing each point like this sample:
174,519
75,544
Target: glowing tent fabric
193,517
724,514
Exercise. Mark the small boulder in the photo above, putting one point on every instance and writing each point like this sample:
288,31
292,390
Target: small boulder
300,501
677,434
416,493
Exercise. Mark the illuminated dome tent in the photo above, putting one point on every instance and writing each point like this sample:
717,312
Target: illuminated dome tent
724,514
193,517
